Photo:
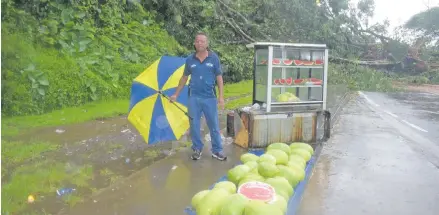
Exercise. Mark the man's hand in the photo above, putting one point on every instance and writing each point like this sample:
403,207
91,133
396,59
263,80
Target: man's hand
173,98
221,103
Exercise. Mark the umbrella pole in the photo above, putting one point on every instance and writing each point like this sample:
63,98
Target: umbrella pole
160,92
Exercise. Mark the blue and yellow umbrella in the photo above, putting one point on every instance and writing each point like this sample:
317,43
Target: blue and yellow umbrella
151,112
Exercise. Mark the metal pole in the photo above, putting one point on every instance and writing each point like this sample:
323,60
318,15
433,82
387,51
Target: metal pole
270,77
325,79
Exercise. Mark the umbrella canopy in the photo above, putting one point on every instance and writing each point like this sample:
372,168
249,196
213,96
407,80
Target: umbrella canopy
151,112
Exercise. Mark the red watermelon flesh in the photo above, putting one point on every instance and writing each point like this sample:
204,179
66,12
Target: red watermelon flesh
276,81
289,80
308,63
282,81
297,62
298,81
318,62
288,62
316,81
276,61
256,190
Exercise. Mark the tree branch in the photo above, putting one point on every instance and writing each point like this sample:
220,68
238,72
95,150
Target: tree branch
233,10
236,27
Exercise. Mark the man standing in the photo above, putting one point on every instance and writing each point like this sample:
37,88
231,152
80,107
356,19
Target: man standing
205,70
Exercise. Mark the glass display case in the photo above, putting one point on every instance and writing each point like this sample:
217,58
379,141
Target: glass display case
288,74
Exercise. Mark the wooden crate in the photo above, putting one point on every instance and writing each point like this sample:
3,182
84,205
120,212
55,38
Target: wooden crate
259,129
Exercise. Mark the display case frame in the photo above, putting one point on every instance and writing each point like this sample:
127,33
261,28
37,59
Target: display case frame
273,48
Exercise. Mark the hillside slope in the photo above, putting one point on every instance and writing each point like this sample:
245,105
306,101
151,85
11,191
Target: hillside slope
57,54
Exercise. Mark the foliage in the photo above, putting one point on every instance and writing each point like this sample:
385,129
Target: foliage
425,23
16,125
58,54
354,77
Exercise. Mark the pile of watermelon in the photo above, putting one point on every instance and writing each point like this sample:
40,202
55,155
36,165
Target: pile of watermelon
260,185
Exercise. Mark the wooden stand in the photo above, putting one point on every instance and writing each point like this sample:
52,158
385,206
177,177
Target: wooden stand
258,129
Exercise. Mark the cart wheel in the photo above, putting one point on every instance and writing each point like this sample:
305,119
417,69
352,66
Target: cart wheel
327,125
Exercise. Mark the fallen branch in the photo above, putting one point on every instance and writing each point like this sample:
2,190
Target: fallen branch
233,42
381,37
236,27
234,11
379,64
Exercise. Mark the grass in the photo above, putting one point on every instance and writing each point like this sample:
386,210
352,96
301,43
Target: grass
15,152
26,174
238,89
233,104
38,180
12,126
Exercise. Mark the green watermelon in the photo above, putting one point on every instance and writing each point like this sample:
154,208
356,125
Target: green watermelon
255,207
227,185
305,146
280,156
267,169
236,173
281,146
302,153
248,157
198,197
233,205
267,157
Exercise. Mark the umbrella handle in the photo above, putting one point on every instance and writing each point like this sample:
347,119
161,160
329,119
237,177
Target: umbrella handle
160,92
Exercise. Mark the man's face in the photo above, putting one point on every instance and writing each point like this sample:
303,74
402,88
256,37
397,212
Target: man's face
201,43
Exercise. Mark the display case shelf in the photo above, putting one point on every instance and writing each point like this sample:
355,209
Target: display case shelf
289,74
293,67
295,86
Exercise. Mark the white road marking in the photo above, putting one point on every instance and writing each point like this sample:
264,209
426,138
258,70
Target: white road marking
427,111
367,98
414,126
391,114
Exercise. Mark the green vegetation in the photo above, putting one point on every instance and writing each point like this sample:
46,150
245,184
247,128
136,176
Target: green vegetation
16,125
354,77
67,62
35,178
246,100
57,55
14,152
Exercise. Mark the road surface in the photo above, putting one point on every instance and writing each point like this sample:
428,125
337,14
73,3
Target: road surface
383,159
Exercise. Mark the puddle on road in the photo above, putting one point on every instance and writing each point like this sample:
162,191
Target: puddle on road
111,150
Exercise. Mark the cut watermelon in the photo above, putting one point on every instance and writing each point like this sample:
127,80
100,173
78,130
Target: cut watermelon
282,81
308,63
276,61
319,62
298,81
297,62
276,81
288,62
255,190
316,81
289,80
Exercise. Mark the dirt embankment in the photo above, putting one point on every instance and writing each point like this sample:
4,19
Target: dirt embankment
427,88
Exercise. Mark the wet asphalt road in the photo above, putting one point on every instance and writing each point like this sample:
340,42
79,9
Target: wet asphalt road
418,110
382,159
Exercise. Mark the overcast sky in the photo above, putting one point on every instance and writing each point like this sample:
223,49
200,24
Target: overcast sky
399,11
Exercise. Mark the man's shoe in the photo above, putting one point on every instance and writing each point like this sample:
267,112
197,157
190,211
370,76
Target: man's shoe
219,155
196,155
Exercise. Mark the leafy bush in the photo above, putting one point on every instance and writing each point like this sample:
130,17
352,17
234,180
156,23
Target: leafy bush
359,78
57,54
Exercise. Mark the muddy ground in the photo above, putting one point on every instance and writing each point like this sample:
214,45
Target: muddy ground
88,157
